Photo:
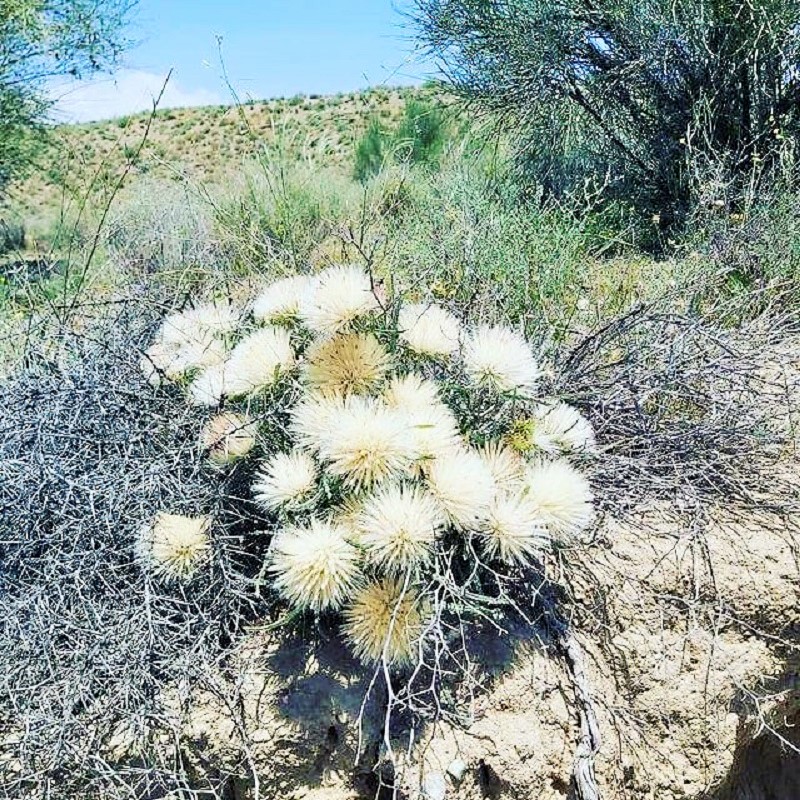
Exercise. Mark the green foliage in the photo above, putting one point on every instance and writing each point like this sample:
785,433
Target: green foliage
752,258
21,132
465,236
421,134
418,139
651,101
370,152
281,210
12,236
40,40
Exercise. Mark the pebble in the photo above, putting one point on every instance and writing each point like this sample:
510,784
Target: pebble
434,786
457,769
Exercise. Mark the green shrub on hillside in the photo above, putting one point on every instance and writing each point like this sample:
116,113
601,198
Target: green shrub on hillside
40,40
421,135
418,139
12,236
370,152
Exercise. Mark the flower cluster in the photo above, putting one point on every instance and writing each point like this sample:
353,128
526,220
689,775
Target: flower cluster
411,441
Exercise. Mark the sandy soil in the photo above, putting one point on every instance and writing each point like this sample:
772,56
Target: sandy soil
691,667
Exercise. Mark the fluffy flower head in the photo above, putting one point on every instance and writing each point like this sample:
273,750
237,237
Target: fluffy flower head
560,427
505,465
463,485
561,495
208,387
367,443
429,329
347,363
315,567
435,432
501,359
285,480
342,294
313,417
257,361
411,393
513,529
431,422
173,546
385,623
280,301
397,526
196,324
172,361
227,437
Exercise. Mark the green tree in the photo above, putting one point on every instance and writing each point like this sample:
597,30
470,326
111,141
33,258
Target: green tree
652,97
41,40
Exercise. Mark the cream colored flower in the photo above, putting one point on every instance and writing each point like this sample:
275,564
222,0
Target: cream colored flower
397,527
258,361
560,427
513,529
208,388
218,317
255,363
173,546
197,323
281,301
347,363
561,496
435,432
285,480
411,393
501,359
367,443
228,437
342,294
429,329
385,623
172,361
463,485
313,417
157,362
315,567
505,464
432,424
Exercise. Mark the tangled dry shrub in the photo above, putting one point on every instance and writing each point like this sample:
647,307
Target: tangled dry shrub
688,411
87,640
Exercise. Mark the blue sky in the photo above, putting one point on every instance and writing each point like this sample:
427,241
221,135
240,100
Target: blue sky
270,48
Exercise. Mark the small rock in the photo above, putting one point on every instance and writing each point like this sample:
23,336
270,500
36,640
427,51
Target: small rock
434,786
457,769
343,718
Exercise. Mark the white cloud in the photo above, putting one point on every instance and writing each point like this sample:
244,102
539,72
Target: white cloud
127,92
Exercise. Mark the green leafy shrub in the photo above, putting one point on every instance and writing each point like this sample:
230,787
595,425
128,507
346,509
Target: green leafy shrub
40,40
370,153
12,236
420,137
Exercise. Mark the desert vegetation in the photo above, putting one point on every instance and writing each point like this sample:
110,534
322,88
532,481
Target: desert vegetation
323,415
